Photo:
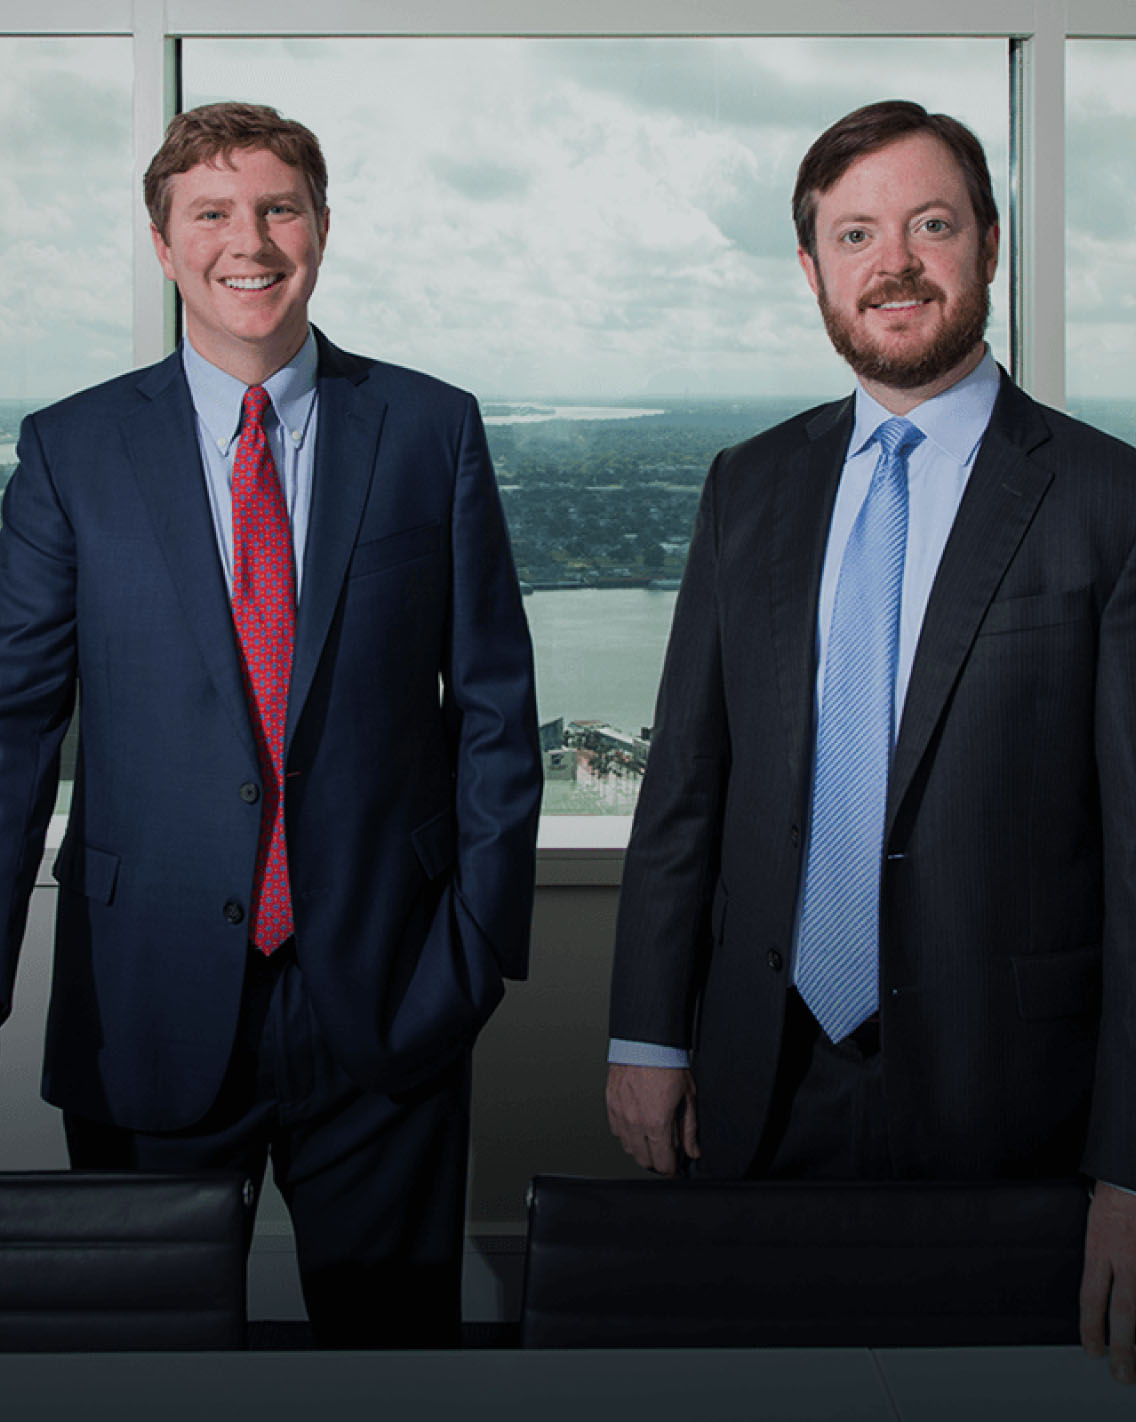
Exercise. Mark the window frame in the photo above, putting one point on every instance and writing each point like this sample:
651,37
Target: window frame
589,849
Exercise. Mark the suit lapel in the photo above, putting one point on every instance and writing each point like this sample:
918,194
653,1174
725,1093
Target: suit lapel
161,438
803,512
1002,495
347,443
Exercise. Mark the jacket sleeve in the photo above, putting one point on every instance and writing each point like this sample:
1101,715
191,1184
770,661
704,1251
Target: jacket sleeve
663,930
1111,1146
491,708
37,680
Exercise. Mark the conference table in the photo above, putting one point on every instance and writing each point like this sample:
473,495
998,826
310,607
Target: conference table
1052,1384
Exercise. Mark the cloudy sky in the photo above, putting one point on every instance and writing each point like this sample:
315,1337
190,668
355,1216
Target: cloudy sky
65,204
578,217
1101,223
570,218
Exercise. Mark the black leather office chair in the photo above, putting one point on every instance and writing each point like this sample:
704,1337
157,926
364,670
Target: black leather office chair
643,1263
102,1261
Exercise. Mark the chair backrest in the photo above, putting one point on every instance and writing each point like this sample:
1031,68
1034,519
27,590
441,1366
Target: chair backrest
643,1263
94,1260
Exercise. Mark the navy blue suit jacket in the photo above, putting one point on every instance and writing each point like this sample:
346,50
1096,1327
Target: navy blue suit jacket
412,762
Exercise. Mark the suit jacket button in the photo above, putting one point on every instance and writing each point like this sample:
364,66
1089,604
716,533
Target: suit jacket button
234,912
250,792
795,836
773,958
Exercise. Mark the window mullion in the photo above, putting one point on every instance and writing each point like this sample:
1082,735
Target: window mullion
155,94
1039,212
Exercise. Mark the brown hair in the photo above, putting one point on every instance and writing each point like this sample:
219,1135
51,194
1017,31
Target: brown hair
213,130
871,128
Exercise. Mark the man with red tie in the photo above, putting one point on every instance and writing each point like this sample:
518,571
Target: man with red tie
298,862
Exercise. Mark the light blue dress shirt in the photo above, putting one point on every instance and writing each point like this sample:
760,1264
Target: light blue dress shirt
938,469
291,429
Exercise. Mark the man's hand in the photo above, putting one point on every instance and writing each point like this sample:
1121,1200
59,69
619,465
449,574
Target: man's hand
1108,1285
651,1110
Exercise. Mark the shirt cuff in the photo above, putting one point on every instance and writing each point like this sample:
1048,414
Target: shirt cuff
650,1054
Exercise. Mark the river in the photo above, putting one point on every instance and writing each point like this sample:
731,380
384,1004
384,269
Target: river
599,652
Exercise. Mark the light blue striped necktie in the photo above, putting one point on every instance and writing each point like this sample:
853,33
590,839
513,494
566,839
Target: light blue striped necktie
838,943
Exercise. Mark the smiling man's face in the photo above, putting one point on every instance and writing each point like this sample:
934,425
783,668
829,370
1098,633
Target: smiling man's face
901,273
244,244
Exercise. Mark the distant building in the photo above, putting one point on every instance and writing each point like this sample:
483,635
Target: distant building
552,734
609,750
559,760
560,764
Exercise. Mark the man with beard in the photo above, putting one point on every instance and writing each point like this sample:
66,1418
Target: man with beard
879,905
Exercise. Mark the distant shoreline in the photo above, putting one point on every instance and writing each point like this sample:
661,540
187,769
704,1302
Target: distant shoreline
530,585
506,412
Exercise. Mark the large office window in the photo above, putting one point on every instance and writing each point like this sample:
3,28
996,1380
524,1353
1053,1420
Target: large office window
581,230
1100,228
594,236
66,207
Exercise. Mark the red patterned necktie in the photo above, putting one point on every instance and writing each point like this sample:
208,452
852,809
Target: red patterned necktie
264,614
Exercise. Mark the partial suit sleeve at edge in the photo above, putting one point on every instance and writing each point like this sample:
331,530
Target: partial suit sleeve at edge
1110,1152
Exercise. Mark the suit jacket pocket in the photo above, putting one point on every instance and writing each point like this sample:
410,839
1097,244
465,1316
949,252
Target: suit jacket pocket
378,554
1019,614
1051,985
435,843
86,870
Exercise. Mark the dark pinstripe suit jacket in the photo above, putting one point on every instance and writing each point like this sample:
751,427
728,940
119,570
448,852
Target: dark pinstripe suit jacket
1008,914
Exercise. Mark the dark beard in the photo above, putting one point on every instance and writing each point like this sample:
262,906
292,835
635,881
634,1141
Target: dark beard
950,347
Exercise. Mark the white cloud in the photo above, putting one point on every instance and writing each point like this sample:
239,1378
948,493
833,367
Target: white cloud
1101,230
574,217
568,216
66,206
